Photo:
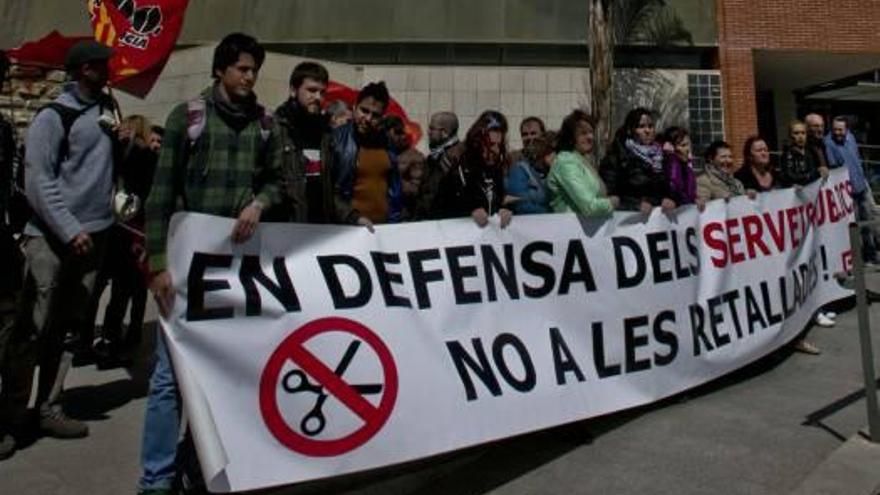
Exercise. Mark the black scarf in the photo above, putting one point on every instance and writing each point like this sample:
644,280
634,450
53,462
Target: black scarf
306,129
239,114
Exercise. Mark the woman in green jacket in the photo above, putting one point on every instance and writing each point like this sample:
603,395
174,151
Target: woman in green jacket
574,182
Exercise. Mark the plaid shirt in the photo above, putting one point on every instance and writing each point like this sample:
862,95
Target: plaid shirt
220,173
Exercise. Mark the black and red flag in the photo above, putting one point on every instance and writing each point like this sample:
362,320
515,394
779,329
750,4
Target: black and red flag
142,33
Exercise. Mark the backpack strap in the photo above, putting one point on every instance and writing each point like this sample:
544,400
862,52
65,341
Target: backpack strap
267,122
69,116
196,118
196,121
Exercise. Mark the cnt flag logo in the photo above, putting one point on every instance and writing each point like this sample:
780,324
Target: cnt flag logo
146,22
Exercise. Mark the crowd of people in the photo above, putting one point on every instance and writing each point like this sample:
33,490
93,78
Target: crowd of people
103,189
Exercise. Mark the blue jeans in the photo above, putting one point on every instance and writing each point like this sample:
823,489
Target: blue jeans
161,424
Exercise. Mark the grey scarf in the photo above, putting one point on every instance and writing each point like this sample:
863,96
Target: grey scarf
730,182
441,148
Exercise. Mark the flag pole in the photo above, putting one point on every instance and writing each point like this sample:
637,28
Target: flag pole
117,112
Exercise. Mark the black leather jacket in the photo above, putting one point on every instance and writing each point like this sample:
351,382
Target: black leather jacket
632,179
797,168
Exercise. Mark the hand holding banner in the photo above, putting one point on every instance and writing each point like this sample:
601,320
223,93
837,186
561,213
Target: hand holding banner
319,350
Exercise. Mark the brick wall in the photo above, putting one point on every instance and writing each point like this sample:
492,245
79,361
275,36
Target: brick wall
839,26
28,89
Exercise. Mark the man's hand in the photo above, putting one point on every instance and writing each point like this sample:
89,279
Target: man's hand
615,202
340,119
751,193
82,244
646,207
364,221
163,291
247,223
701,204
667,205
505,215
480,217
823,171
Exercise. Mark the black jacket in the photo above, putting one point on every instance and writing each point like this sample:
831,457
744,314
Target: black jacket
295,205
430,204
632,179
468,187
750,182
797,168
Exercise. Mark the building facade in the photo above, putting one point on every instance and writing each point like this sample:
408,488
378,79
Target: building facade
722,68
775,57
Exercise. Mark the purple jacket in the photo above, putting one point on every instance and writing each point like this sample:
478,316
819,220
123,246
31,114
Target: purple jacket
682,180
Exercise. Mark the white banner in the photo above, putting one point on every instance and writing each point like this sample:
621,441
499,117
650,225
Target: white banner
313,351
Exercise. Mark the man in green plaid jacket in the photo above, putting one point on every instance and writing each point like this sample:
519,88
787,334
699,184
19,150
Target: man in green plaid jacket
221,155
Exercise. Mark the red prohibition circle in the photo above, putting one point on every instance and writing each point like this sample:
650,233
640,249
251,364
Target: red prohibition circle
292,349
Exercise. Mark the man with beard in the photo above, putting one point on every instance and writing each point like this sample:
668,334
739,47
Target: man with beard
68,183
445,152
842,151
308,154
368,176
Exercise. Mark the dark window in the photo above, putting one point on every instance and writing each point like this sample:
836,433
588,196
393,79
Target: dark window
705,110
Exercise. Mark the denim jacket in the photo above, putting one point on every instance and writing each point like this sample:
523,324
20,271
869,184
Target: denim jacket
525,183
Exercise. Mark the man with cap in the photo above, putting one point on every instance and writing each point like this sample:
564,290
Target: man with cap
68,183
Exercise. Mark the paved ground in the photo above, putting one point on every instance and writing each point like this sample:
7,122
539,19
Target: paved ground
744,434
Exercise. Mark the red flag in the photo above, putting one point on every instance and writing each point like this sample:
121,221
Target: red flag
48,51
341,92
143,34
